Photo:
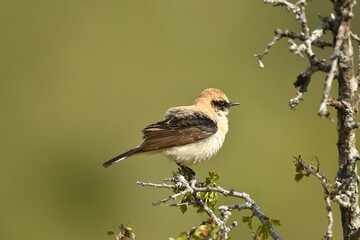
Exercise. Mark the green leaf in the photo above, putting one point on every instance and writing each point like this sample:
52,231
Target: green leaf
214,176
275,222
298,177
265,230
111,234
214,232
248,220
183,208
129,229
200,210
182,236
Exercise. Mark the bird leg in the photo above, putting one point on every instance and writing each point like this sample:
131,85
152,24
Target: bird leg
186,170
190,174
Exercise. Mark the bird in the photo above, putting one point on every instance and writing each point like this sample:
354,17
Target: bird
188,134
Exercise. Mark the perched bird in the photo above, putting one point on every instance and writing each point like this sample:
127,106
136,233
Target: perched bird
188,134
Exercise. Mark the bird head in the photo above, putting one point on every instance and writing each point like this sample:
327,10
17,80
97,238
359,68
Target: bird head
216,100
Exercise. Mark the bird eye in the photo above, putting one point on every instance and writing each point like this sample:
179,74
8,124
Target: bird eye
221,102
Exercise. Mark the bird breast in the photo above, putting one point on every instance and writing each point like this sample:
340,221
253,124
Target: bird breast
199,151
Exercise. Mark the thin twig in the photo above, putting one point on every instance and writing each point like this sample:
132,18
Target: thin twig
191,187
276,38
357,38
323,112
327,193
308,40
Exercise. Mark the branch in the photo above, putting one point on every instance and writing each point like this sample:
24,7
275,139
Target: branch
330,77
289,7
308,40
295,101
357,38
304,78
341,67
276,38
191,191
327,187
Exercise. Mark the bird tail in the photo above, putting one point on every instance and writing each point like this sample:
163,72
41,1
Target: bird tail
121,157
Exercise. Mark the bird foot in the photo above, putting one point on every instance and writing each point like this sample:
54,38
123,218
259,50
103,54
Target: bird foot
189,173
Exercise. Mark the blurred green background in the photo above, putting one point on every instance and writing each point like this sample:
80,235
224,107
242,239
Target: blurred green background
80,79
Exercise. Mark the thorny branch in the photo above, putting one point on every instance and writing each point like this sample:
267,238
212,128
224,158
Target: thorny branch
194,187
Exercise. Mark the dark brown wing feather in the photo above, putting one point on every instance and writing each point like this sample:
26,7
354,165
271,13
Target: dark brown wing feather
179,128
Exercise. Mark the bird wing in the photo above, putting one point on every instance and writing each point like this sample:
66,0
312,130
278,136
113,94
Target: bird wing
180,127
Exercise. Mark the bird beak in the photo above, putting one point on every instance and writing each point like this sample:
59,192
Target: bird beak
233,104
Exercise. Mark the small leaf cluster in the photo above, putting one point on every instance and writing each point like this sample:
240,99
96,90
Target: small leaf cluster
301,171
125,233
203,232
209,198
263,231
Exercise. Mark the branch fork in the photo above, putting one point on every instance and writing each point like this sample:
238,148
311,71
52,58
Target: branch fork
192,186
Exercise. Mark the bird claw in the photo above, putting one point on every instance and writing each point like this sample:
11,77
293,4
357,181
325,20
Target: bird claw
189,174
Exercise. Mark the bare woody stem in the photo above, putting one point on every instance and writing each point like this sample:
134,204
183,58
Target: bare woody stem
328,193
348,95
341,67
190,187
